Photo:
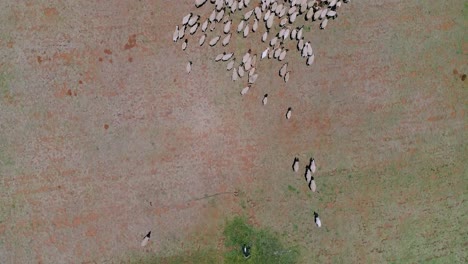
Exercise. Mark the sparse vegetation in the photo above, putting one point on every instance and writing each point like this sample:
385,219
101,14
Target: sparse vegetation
292,189
200,256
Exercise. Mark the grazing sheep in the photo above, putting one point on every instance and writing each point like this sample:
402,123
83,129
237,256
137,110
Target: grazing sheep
258,13
265,99
193,20
146,239
248,64
219,56
220,15
175,36
277,53
189,67
235,76
194,28
234,6
246,56
212,16
214,40
308,174
264,36
230,64
204,25
199,3
227,56
255,25
282,54
269,22
317,220
246,251
182,32
273,41
312,185
288,113
267,16
251,72
246,31
283,69
227,27
286,76
293,33
293,17
202,40
324,23
309,14
248,14
299,33
226,40
253,78
240,27
312,165
253,60
245,90
331,14
186,18
317,14
310,60
324,12
240,71
286,33
300,45
295,165
265,53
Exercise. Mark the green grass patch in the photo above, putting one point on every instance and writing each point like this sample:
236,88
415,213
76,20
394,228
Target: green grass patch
266,247
292,189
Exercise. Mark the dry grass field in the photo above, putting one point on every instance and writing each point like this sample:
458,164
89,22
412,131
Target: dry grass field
104,136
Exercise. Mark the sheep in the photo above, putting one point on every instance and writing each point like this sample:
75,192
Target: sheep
235,76
230,64
307,174
175,36
194,28
214,40
186,18
226,40
199,3
146,239
288,113
295,165
202,40
312,185
312,165
245,90
283,69
317,220
193,20
227,27
265,99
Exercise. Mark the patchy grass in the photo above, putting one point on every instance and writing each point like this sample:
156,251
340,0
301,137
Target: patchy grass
292,189
265,245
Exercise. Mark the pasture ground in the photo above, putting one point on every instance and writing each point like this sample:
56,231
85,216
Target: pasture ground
103,136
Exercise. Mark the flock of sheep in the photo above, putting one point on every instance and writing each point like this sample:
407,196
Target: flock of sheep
276,19
262,17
